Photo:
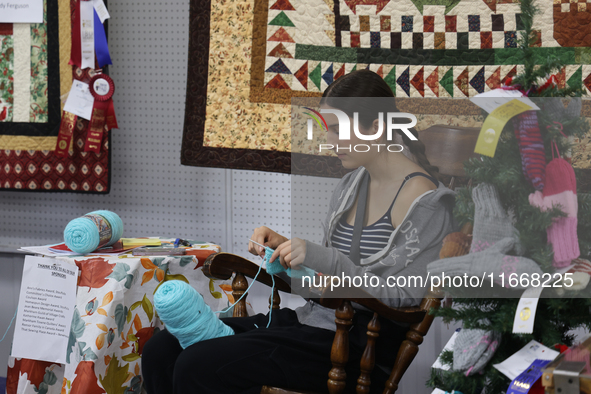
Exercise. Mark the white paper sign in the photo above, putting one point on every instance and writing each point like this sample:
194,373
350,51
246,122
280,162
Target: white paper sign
493,99
21,11
45,309
80,100
521,360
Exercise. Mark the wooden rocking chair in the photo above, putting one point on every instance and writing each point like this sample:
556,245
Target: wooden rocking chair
446,148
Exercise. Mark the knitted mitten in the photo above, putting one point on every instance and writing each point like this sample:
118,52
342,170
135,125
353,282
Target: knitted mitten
492,260
560,191
473,349
531,147
557,112
491,223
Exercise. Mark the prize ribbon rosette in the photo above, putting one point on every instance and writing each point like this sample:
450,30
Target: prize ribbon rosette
103,113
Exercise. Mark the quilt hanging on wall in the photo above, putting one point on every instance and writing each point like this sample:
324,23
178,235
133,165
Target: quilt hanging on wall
248,58
34,74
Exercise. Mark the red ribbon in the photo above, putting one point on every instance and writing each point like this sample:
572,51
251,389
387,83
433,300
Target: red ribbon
103,112
76,51
65,134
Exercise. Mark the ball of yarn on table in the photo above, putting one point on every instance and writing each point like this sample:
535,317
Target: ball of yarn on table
82,235
186,315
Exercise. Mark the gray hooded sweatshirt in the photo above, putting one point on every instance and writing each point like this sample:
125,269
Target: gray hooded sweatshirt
412,245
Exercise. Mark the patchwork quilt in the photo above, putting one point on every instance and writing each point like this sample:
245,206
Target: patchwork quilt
34,74
249,58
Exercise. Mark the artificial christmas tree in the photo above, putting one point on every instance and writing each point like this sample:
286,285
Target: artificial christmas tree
535,200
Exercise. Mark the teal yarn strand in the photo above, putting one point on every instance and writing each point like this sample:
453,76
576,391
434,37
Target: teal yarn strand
186,315
10,325
82,235
244,294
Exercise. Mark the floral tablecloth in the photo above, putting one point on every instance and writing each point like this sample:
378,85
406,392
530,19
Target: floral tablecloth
113,319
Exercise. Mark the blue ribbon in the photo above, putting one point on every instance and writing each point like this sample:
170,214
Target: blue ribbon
100,43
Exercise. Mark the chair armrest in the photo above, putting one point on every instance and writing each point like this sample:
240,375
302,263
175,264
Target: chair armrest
334,298
223,265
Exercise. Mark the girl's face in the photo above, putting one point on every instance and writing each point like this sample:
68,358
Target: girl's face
354,152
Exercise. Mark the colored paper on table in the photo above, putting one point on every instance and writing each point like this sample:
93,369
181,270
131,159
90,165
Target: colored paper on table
135,242
116,249
494,124
45,309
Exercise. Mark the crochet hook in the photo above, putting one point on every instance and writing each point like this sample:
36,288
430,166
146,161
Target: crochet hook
256,243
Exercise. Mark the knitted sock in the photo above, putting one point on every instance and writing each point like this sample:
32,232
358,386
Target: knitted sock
560,191
492,260
531,147
491,223
473,349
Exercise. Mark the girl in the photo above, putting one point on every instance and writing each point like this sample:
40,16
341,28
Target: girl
386,219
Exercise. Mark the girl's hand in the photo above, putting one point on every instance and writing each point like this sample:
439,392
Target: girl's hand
291,253
264,236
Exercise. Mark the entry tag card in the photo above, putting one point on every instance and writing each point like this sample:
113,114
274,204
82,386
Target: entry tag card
521,360
489,101
45,309
501,105
101,10
80,101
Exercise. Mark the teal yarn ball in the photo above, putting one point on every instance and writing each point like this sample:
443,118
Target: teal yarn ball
115,222
186,315
82,235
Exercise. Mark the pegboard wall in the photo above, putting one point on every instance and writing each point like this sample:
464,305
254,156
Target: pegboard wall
151,191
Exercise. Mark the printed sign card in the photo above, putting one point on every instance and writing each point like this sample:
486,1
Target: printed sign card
21,11
45,309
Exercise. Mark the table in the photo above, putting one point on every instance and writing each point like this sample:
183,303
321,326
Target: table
113,319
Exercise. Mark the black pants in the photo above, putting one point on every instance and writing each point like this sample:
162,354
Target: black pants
287,354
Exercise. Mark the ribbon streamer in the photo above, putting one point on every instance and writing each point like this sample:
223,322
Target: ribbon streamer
100,43
65,134
87,33
76,51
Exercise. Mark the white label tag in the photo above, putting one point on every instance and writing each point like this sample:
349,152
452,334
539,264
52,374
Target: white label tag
525,314
87,33
101,10
80,102
45,309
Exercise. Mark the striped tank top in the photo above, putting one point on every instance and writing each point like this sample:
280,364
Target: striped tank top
375,236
